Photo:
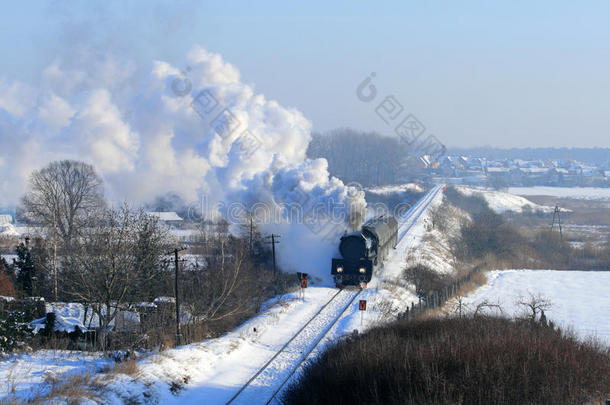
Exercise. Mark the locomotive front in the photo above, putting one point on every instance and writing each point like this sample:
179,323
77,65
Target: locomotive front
362,251
356,266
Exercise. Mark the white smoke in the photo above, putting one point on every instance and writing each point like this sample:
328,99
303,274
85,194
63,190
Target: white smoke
197,131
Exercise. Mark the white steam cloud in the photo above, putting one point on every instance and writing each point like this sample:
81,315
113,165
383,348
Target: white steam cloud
197,131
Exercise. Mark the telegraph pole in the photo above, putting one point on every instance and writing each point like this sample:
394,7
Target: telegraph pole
251,231
274,239
176,295
557,220
55,255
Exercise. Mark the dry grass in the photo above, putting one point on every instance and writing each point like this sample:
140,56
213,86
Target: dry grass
10,401
128,367
71,387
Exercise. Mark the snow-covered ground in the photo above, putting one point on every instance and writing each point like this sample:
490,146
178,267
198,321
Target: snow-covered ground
212,371
24,376
8,231
585,193
502,202
579,299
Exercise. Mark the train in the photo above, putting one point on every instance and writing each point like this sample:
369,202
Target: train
364,251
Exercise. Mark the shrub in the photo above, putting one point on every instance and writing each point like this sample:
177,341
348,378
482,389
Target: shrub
480,360
425,279
14,331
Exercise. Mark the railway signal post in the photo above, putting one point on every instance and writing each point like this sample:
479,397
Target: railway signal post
362,308
303,283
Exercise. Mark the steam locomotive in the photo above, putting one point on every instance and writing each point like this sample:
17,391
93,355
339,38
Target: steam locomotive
363,251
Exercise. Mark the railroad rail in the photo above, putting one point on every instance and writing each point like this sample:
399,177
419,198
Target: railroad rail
411,216
269,380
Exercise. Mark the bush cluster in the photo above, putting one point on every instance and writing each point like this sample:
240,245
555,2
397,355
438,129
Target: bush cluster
475,360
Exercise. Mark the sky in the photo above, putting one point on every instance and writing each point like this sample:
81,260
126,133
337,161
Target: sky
510,74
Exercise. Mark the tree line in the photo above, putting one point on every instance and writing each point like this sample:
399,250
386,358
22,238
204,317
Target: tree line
367,158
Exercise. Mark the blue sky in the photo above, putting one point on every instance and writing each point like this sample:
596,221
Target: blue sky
475,73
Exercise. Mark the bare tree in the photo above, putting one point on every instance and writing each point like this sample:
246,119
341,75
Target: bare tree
534,305
61,198
113,261
486,305
224,289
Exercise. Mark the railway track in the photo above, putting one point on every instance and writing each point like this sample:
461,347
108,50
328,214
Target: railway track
411,216
271,378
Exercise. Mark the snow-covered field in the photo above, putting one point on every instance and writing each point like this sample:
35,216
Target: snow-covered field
580,300
585,193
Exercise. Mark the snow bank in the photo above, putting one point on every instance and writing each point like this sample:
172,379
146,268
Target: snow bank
502,202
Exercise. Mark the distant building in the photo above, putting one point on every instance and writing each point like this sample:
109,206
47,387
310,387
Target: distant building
6,219
168,217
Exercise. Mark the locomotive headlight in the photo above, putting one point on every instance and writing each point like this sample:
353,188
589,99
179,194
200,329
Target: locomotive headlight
362,270
339,269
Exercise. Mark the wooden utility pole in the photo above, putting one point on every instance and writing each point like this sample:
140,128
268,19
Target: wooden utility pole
55,257
251,232
274,239
176,294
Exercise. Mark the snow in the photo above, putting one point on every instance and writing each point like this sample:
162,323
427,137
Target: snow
62,324
9,258
217,368
8,230
24,375
579,299
70,314
166,216
586,193
401,188
502,202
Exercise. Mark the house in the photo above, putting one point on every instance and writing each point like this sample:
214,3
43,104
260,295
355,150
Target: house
170,218
6,219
